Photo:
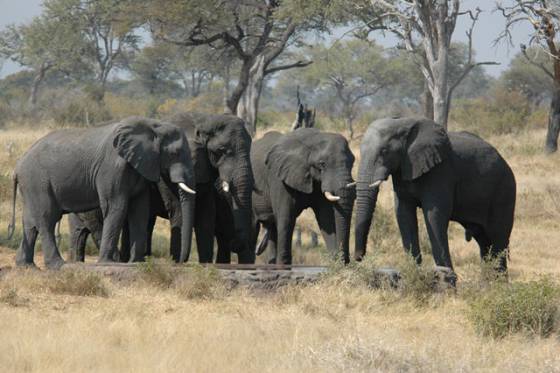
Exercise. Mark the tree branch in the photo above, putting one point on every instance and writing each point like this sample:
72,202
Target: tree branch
298,64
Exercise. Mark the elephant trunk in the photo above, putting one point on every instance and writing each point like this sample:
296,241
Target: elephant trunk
365,207
342,218
243,189
187,212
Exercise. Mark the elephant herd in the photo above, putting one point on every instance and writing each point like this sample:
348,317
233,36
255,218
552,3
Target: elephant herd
203,172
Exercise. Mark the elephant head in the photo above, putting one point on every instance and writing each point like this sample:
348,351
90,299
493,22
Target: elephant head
160,150
405,148
308,160
222,148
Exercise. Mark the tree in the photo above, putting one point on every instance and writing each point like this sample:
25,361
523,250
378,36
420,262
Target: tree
527,78
544,16
258,31
42,45
107,34
353,71
425,29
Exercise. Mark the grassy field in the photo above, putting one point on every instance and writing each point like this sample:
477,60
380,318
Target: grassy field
74,321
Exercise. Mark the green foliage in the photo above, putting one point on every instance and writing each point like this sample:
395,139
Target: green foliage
79,111
157,272
528,79
191,282
10,296
529,307
77,282
198,282
418,282
500,112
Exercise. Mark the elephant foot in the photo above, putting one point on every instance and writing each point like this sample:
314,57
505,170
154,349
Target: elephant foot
137,260
30,265
104,259
55,264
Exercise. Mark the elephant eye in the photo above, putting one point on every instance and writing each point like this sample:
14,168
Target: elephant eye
383,151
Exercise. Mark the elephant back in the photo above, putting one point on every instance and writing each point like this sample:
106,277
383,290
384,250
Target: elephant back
259,150
475,159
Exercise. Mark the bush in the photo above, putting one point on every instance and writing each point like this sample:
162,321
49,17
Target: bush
79,111
11,297
504,309
198,282
77,282
157,272
418,282
502,112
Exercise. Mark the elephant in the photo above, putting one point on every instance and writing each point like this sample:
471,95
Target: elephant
453,176
109,167
220,148
297,170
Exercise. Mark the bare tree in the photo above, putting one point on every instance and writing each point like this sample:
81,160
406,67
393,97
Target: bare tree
259,31
544,16
425,28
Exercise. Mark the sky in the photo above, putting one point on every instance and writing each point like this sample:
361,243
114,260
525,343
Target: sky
488,28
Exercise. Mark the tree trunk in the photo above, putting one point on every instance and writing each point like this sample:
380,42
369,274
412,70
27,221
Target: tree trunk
36,84
248,105
551,144
440,89
427,103
227,79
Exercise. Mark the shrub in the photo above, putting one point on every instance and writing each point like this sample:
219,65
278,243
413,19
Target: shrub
418,282
157,272
122,106
79,111
11,297
503,309
502,112
77,282
198,282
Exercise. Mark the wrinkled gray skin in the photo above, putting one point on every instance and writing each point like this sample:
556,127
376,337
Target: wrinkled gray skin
455,176
108,167
220,147
292,172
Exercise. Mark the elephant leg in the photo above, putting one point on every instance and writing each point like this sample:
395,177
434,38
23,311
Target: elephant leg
150,233
51,255
285,223
224,251
325,219
436,216
272,243
114,214
78,237
138,216
408,226
124,253
204,228
24,255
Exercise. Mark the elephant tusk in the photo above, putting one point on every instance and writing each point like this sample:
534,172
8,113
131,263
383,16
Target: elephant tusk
376,184
351,185
186,188
225,186
331,197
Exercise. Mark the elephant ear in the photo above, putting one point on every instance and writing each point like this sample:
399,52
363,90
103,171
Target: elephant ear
288,159
137,142
427,146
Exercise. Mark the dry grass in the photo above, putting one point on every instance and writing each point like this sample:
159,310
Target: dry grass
339,324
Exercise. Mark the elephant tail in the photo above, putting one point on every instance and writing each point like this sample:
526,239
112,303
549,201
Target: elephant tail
261,247
12,225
